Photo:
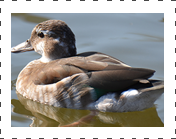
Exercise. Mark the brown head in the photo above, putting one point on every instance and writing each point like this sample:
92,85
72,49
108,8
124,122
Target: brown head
53,39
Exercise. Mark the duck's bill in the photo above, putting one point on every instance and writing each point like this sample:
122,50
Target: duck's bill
22,47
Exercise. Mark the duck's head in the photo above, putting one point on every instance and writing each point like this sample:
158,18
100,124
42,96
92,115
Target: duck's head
53,39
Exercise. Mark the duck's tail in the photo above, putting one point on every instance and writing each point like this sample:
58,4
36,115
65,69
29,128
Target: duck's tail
141,97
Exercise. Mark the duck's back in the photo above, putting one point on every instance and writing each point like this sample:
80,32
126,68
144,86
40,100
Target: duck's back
114,75
101,72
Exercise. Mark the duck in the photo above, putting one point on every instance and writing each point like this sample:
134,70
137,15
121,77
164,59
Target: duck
89,80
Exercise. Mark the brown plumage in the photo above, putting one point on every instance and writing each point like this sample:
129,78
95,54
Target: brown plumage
63,78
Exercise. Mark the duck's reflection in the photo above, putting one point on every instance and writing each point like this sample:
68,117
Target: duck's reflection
47,116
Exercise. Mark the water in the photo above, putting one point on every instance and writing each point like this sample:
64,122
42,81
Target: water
136,39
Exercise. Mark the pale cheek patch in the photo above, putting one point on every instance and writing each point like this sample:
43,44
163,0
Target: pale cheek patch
40,47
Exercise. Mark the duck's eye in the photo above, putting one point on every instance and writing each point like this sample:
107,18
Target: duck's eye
27,40
40,34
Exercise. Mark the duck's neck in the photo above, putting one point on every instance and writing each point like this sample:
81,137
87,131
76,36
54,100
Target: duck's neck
46,58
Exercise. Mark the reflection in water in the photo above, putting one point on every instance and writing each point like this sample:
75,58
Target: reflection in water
150,38
47,116
30,18
162,20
